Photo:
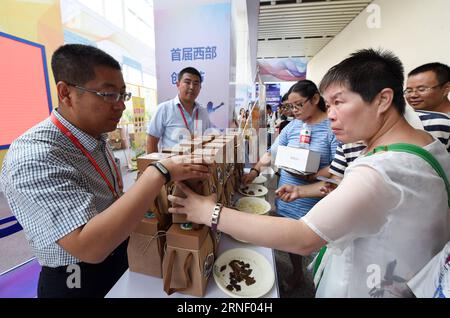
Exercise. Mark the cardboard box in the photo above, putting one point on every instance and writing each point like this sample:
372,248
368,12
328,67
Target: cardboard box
199,186
204,139
144,160
148,226
239,147
227,151
297,160
161,202
188,252
177,150
214,153
191,144
178,236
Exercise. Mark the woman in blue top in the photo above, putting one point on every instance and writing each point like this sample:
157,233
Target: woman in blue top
308,107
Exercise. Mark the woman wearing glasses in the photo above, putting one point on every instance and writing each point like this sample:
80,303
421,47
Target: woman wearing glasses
307,107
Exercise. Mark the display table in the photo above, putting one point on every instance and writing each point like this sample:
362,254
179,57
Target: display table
135,285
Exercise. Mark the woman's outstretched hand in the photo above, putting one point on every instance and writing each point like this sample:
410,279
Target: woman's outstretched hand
288,193
198,208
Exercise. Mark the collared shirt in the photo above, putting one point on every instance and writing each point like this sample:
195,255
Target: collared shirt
52,187
168,124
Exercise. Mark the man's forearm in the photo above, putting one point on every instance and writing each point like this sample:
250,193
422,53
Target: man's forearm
152,144
93,242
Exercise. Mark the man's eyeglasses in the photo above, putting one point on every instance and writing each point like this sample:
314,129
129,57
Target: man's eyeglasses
421,90
296,105
107,97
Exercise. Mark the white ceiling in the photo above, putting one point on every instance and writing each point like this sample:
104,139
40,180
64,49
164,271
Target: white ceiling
300,28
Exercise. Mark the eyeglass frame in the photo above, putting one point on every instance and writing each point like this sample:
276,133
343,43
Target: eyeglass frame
424,88
297,107
126,96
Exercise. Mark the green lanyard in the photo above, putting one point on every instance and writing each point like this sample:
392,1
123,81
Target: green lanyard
400,147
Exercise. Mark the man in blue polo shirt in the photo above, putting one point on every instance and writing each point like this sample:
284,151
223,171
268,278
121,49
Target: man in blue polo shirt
180,117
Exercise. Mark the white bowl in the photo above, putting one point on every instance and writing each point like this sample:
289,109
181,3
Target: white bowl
253,205
259,179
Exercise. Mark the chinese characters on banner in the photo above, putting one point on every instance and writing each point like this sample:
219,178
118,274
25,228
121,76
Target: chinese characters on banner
194,53
207,48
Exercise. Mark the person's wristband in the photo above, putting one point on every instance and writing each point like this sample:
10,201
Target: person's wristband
163,170
257,171
215,216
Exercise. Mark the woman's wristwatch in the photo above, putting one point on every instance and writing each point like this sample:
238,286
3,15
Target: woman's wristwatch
215,216
257,171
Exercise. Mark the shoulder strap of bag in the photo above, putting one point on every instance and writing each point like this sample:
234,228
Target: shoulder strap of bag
419,151
319,259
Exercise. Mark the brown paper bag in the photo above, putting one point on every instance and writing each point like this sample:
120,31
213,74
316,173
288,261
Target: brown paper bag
146,247
188,261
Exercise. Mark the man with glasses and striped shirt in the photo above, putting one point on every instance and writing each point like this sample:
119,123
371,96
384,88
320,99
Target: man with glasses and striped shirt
428,86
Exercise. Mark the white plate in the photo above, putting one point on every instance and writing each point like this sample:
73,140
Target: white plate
258,190
253,205
262,272
259,179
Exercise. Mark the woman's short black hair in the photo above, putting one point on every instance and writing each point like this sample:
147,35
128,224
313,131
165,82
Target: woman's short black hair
367,72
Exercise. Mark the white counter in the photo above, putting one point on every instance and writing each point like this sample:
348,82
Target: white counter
134,285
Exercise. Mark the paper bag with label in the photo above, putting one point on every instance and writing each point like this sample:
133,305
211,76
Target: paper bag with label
188,260
146,247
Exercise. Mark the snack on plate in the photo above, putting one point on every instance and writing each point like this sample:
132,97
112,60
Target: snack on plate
241,272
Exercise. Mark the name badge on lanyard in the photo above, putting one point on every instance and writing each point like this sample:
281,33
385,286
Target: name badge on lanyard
94,163
186,123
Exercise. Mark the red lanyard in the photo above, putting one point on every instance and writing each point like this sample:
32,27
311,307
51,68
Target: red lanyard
94,163
185,121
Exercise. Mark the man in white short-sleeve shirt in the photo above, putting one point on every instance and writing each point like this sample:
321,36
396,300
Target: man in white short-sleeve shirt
181,117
